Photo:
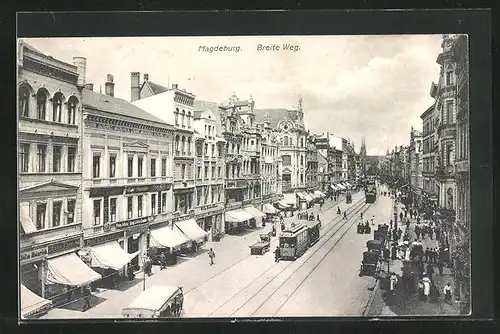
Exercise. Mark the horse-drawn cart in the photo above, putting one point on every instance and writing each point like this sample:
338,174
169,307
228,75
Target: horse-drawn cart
261,247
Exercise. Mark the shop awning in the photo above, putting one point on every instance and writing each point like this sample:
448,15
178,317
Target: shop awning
31,303
319,193
268,208
333,187
167,237
237,216
348,184
301,195
290,199
283,205
70,270
254,211
339,186
308,197
26,221
191,229
110,256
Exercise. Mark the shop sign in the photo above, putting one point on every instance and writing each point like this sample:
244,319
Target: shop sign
182,218
35,254
133,222
103,239
136,230
147,188
64,246
105,192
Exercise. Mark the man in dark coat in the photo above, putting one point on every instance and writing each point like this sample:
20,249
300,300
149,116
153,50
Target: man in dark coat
277,254
430,271
163,261
87,295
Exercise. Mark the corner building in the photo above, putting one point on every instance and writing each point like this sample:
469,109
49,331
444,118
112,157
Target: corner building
49,167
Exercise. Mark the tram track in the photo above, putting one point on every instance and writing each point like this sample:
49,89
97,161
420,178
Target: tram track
273,276
248,256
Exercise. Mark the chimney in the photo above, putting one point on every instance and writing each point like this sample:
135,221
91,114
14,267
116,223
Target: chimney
81,69
175,86
89,86
135,86
146,77
109,86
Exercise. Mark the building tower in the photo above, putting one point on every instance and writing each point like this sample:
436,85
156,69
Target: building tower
362,154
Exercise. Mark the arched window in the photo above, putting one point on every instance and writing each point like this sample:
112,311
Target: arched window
189,119
189,145
57,101
183,115
286,141
177,142
449,193
176,115
232,148
72,103
41,103
183,146
24,101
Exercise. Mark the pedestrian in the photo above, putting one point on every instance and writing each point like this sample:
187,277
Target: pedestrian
338,210
277,254
163,261
211,255
401,216
440,266
447,292
345,215
87,295
393,282
430,270
317,217
408,224
373,220
361,216
394,252
427,287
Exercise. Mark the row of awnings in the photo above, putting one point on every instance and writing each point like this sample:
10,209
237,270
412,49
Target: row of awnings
178,234
31,303
247,213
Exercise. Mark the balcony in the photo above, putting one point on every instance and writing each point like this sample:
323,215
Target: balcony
183,155
447,130
179,184
123,181
445,172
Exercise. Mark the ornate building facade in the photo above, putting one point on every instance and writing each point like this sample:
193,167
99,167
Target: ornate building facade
270,164
50,149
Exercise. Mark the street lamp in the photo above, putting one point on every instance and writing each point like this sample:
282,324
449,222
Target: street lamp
144,262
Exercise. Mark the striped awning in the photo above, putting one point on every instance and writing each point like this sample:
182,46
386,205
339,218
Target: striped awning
31,303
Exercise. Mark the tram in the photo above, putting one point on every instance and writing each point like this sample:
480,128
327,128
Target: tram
313,231
370,191
294,242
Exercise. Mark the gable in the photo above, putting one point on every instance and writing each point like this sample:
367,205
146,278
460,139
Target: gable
50,186
287,171
210,115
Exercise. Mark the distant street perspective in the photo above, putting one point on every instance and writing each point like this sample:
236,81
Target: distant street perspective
140,199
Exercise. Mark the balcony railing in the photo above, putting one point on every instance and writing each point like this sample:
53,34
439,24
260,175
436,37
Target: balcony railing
128,180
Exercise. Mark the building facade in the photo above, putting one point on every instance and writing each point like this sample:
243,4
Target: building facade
49,162
270,163
415,162
210,168
312,164
446,127
127,173
429,148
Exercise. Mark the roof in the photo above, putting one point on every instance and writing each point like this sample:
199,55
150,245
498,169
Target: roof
46,56
427,112
114,105
153,298
275,115
200,105
154,87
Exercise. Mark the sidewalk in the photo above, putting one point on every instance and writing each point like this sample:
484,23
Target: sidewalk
191,272
411,305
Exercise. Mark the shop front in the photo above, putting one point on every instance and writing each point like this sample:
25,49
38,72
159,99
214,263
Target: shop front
193,231
167,240
136,239
209,218
256,213
236,220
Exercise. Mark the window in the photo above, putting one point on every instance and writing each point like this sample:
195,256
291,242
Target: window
139,206
130,166
139,166
153,167
153,204
183,171
41,211
206,149
198,172
97,212
183,115
301,142
213,150
72,110
199,150
57,107
164,202
189,146
71,211
164,167
286,141
251,142
129,207
199,192
189,119
112,166
96,166
176,116
287,160
24,101
177,144
56,213
41,104
448,155
449,78
24,157
112,209
41,154
56,159
449,112
71,159
205,175
219,172
212,175
301,160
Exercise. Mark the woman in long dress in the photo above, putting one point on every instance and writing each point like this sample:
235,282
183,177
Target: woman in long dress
427,287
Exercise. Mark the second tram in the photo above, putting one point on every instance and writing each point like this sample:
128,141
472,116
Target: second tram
370,191
294,242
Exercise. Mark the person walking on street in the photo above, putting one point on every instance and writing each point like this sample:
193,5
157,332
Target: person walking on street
211,255
163,261
87,295
373,220
277,254
338,210
401,216
440,266
361,216
345,215
430,270
447,293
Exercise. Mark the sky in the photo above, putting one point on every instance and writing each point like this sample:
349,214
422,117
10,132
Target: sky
351,86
